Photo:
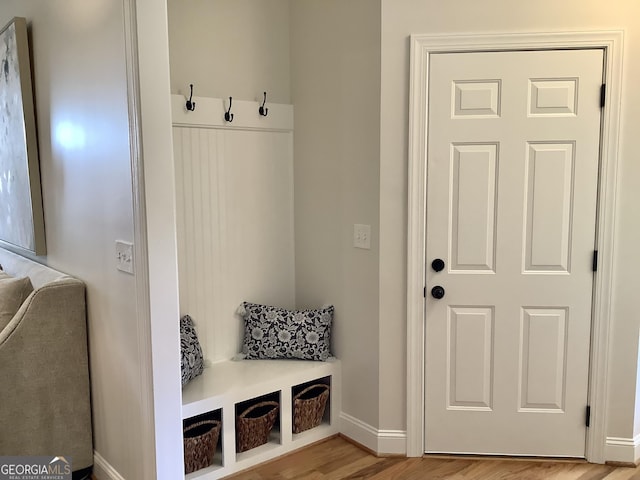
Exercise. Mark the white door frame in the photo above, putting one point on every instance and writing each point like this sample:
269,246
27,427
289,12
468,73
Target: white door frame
422,47
155,260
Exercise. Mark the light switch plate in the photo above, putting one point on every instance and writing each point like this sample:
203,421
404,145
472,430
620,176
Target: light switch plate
124,256
362,236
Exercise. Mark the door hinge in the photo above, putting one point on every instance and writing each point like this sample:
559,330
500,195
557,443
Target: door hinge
594,266
588,416
424,292
603,94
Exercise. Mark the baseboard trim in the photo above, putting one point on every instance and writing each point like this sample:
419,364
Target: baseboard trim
623,451
380,442
102,470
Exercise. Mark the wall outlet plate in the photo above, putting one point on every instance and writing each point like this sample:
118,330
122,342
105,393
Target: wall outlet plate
124,256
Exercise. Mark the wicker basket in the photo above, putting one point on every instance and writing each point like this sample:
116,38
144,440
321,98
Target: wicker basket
200,441
254,425
309,406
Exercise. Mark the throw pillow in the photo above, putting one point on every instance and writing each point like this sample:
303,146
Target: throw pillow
13,292
191,362
272,332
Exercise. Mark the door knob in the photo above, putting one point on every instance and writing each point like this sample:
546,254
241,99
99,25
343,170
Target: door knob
437,264
437,292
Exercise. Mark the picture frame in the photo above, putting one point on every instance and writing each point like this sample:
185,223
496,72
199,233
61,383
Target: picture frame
21,211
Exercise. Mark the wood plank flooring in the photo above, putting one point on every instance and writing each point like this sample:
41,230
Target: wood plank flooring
338,459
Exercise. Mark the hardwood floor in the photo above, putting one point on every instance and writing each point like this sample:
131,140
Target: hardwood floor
338,459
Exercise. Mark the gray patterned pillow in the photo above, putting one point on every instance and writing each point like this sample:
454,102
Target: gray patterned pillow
191,363
271,332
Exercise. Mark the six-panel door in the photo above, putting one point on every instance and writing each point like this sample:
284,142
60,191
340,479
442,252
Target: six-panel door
513,155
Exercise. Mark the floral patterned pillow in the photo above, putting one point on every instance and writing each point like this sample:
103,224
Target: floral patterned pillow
191,362
271,332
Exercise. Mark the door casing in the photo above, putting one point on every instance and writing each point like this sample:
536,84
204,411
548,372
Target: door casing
422,46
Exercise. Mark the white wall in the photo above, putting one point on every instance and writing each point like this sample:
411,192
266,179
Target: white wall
81,109
335,79
157,194
237,48
234,191
404,17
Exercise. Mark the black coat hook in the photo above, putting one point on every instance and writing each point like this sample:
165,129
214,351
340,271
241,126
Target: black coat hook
191,106
262,110
228,116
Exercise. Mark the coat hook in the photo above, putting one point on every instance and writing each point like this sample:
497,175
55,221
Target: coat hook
262,110
191,106
228,116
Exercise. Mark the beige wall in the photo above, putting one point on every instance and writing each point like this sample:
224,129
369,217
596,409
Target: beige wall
404,17
237,48
335,65
80,87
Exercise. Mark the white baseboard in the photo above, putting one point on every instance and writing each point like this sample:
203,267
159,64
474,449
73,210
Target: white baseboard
624,450
383,442
394,442
103,470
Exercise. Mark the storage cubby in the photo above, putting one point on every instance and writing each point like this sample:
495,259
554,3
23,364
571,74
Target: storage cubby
226,387
300,389
218,456
253,405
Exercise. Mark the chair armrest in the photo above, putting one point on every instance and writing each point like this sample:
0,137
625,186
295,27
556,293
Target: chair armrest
44,375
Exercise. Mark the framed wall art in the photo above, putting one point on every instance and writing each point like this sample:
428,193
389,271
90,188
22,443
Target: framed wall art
21,213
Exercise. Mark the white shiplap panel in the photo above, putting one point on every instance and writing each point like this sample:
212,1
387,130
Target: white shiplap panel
219,335
189,160
235,227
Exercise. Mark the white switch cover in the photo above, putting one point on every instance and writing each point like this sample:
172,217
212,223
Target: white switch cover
362,236
124,256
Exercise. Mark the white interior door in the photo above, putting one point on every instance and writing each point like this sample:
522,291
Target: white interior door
513,154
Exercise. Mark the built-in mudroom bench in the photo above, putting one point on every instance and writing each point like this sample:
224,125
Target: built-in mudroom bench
226,385
235,232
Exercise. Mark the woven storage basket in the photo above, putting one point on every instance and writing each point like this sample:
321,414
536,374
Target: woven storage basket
200,441
308,407
254,424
